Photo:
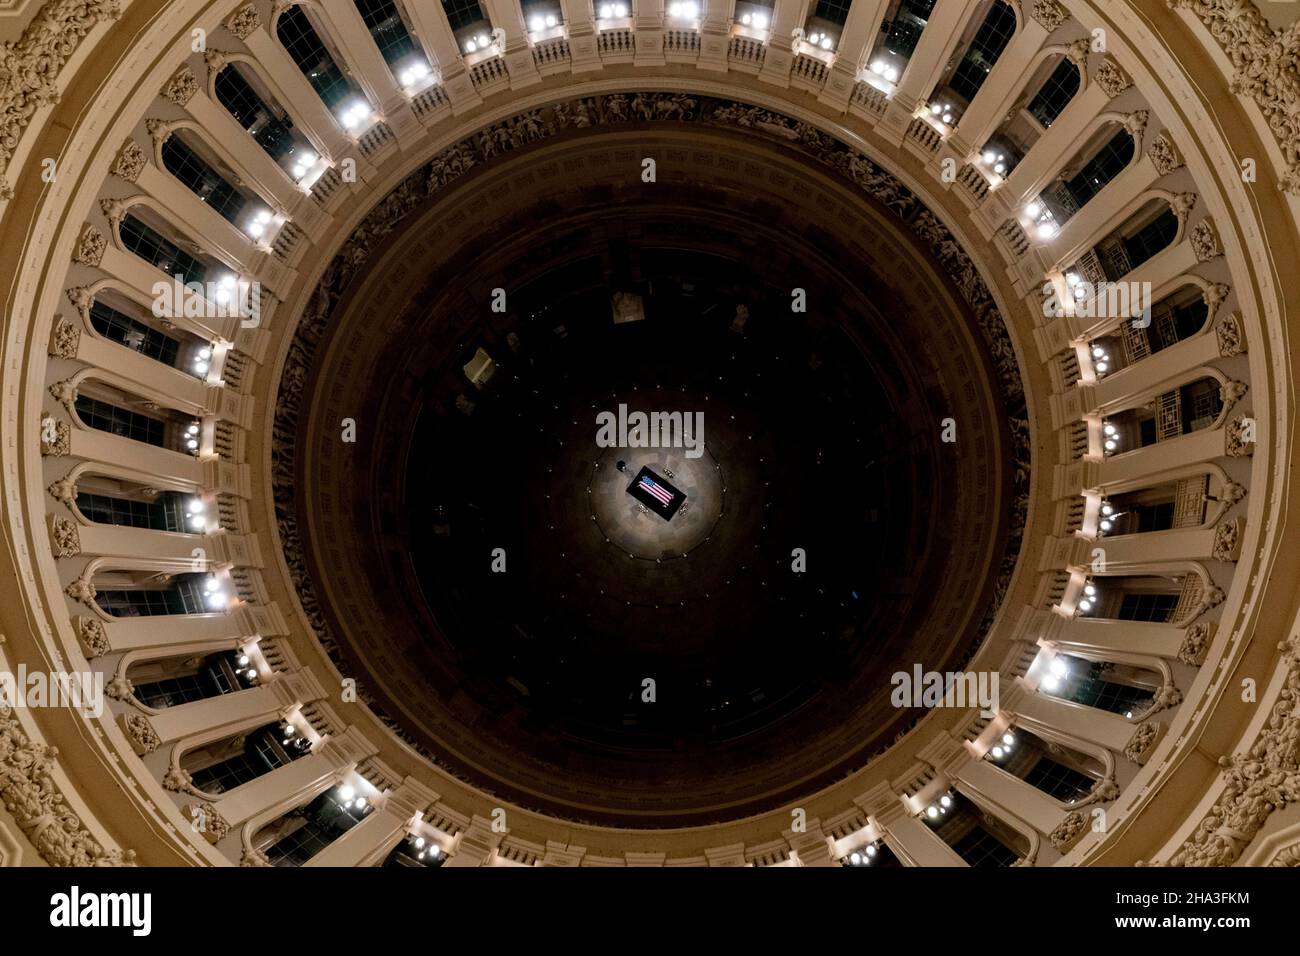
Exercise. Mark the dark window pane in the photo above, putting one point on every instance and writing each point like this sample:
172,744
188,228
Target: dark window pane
386,26
1056,93
165,513
837,11
991,39
305,47
462,13
201,179
268,129
104,417
125,330
160,252
908,23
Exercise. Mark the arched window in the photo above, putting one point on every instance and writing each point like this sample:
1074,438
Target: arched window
306,48
299,835
1117,688
200,178
1180,411
131,505
157,250
1176,317
1055,94
992,37
979,838
901,30
175,681
1060,772
468,22
1055,81
125,330
222,766
270,127
1160,507
1069,193
137,594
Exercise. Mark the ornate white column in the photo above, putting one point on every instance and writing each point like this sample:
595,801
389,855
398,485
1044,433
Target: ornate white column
430,23
937,44
517,50
859,33
149,732
787,16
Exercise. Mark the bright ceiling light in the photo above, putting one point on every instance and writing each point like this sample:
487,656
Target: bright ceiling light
1033,210
537,24
1046,230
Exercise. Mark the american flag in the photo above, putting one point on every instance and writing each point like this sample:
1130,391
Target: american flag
662,494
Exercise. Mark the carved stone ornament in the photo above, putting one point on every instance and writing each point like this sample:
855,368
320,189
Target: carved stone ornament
181,88
1077,52
82,590
1136,124
1196,642
1232,340
158,131
119,687
1068,831
1105,790
1264,60
64,490
1211,599
81,297
6,190
243,21
114,209
65,338
177,780
1256,783
129,162
93,636
141,733
1049,13
1290,856
1111,78
31,795
1182,204
32,62
1164,155
1205,240
1240,441
56,437
1140,744
206,819
1164,698
1231,392
65,393
253,857
1215,294
90,247
1231,494
215,60
1226,540
64,538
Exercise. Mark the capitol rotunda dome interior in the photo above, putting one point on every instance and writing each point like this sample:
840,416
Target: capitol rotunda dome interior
700,433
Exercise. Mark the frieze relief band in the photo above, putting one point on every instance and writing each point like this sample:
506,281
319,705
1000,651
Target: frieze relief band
539,124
